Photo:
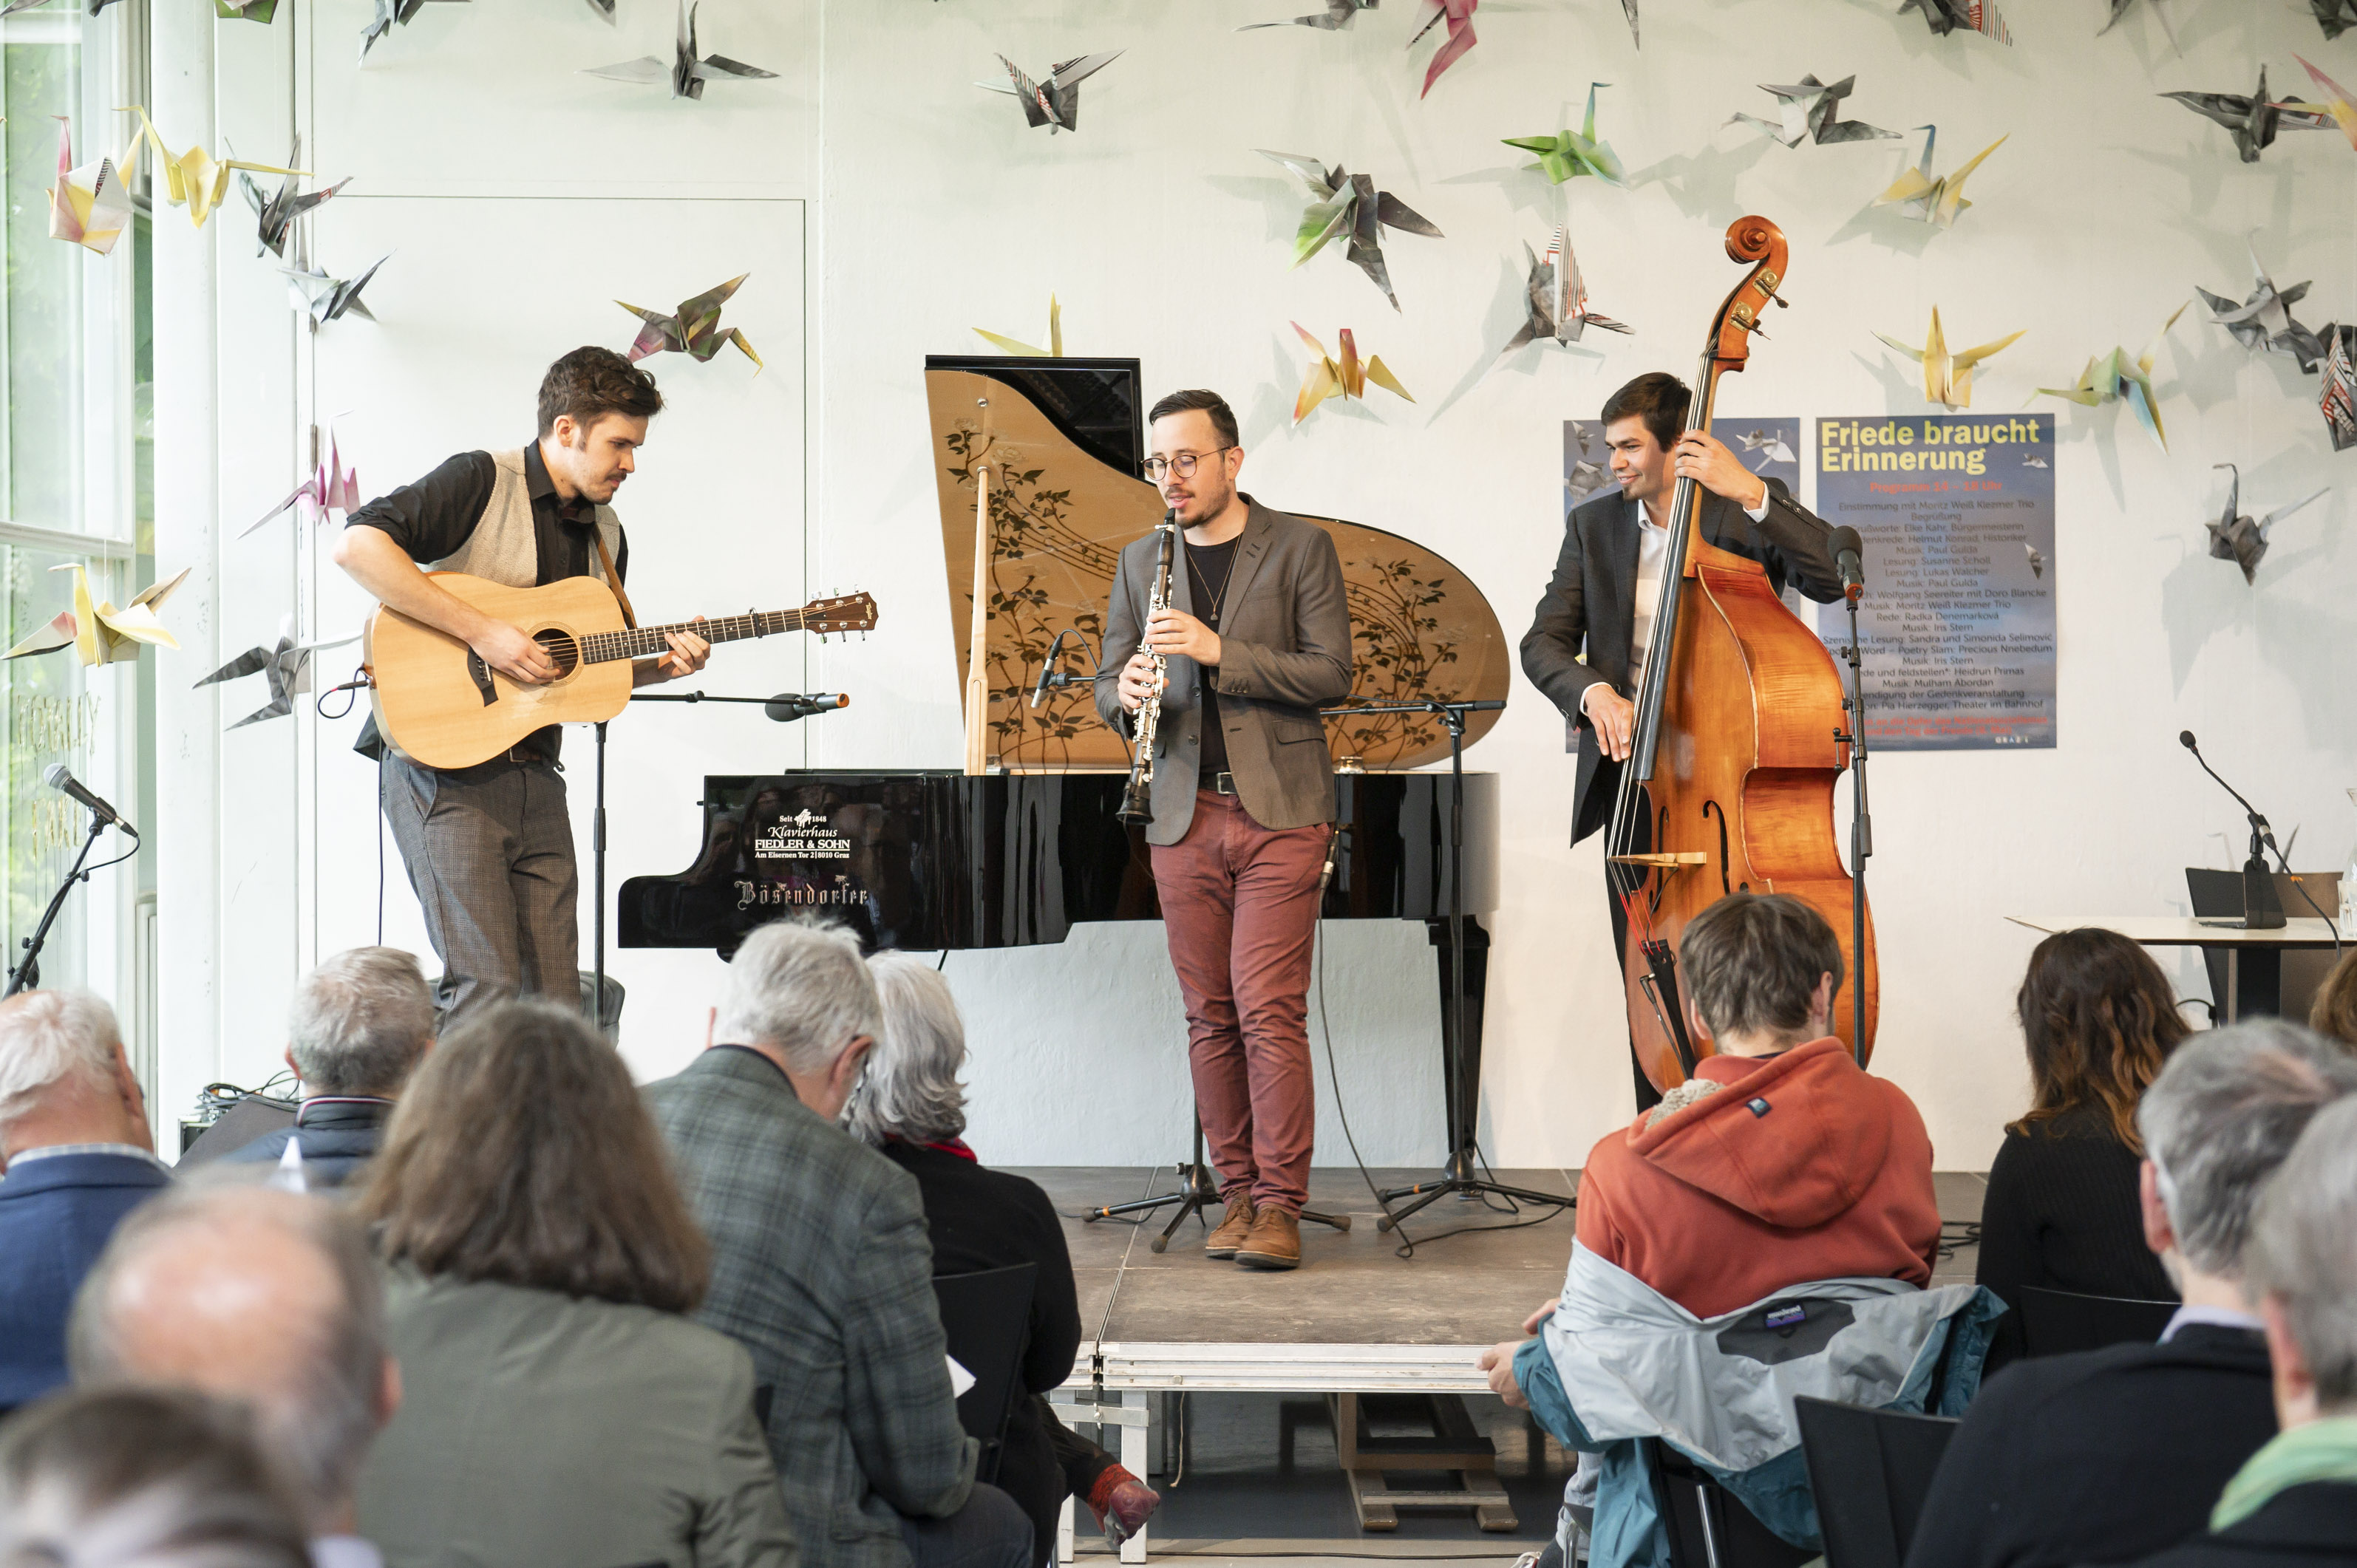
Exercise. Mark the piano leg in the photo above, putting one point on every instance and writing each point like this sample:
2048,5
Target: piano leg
1461,1077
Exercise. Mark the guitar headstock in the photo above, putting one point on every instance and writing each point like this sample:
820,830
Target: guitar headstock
847,612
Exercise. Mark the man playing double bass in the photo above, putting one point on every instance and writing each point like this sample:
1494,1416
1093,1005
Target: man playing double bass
1586,646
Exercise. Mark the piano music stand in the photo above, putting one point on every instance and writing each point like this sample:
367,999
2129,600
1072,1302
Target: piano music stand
1460,1063
1201,1191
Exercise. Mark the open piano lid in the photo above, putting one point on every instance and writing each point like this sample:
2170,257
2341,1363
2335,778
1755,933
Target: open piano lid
1061,515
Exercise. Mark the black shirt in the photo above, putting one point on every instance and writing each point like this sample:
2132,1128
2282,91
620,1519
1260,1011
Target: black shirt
1210,567
433,518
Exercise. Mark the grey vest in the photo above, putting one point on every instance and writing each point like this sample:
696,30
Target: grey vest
505,547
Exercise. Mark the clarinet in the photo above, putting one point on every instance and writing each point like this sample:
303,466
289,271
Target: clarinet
1137,797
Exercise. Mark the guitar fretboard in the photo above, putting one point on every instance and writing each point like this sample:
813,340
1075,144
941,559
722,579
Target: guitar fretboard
645,642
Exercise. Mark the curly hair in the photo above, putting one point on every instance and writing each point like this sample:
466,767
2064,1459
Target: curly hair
592,382
2334,1012
2099,1020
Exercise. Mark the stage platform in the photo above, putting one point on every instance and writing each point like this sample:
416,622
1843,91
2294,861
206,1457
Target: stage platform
1355,1319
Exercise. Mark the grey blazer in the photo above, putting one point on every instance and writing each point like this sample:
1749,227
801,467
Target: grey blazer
1585,627
538,1431
821,1267
1284,635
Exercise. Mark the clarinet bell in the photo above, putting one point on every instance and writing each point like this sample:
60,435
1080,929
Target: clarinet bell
1137,804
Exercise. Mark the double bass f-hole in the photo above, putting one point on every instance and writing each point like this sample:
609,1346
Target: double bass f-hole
1713,809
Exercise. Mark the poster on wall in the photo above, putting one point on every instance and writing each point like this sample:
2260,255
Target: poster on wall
1586,465
1770,447
1957,624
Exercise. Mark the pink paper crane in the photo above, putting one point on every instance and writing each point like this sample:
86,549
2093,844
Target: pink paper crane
332,487
1458,14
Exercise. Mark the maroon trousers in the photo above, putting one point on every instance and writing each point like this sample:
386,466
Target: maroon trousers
1239,904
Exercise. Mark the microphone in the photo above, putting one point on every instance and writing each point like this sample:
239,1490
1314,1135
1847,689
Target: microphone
60,780
788,706
2262,911
1849,560
1048,667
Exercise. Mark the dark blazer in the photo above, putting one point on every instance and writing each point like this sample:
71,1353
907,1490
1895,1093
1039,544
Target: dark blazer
1285,640
1585,629
2310,1526
339,1136
56,1214
2099,1457
981,1219
821,1268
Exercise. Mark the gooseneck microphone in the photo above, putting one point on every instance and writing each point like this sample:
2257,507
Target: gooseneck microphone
1047,667
1849,560
65,782
2262,911
788,706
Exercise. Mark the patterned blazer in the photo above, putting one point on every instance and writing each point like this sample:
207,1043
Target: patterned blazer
822,1269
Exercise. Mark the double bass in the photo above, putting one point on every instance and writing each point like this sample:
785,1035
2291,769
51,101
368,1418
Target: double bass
1737,740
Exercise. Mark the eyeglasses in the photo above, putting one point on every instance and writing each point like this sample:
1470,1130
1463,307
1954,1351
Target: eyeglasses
1182,465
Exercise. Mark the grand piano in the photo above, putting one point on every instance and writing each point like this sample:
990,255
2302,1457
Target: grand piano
1018,850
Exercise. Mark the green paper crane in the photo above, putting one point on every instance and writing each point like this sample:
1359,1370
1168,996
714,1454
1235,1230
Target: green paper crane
1567,154
2115,376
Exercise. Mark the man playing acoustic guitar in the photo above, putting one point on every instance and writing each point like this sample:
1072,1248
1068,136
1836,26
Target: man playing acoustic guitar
489,848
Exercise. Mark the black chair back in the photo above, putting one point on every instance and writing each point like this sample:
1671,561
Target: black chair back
1710,1528
1870,1470
2274,983
2057,1322
987,1317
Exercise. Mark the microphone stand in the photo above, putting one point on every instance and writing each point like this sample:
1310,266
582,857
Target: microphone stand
28,972
1861,828
2262,911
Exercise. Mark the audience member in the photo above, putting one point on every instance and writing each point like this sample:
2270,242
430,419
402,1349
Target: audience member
1779,1164
143,1478
2333,1014
266,1297
79,1156
2062,1210
913,1107
361,1024
2295,1502
2109,1455
821,1268
558,1411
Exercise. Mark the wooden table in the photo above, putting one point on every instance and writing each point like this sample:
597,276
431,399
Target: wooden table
2184,931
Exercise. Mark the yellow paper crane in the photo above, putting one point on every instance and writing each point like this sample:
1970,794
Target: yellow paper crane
1348,376
195,179
98,632
1947,378
1055,349
1934,201
90,205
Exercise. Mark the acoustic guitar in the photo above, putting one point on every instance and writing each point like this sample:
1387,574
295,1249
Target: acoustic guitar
438,703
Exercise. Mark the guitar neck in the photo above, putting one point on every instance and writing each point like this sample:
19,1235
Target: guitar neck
646,641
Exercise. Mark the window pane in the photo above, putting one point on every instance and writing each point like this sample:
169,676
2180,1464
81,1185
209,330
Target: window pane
50,716
41,444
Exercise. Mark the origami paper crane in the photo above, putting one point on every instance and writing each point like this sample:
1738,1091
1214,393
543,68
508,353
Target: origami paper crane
1557,300
1055,349
1349,204
195,179
1567,154
245,11
2238,539
2265,320
388,12
1935,201
1347,377
686,71
2033,460
90,205
288,668
2335,16
97,631
1628,8
1056,102
1458,14
1945,17
275,215
328,298
1808,109
1947,377
2114,375
2254,118
2338,105
2338,400
1773,448
1585,457
1338,14
332,487
694,331
2120,8
2036,556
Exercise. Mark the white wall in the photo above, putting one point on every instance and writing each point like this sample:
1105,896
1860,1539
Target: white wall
931,209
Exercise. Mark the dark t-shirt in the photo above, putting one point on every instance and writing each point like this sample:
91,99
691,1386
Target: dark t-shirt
1208,569
433,517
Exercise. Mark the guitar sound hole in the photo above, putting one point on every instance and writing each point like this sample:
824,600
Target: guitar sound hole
558,644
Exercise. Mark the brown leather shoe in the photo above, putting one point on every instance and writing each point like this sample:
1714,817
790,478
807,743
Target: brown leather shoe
1232,1231
1275,1242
